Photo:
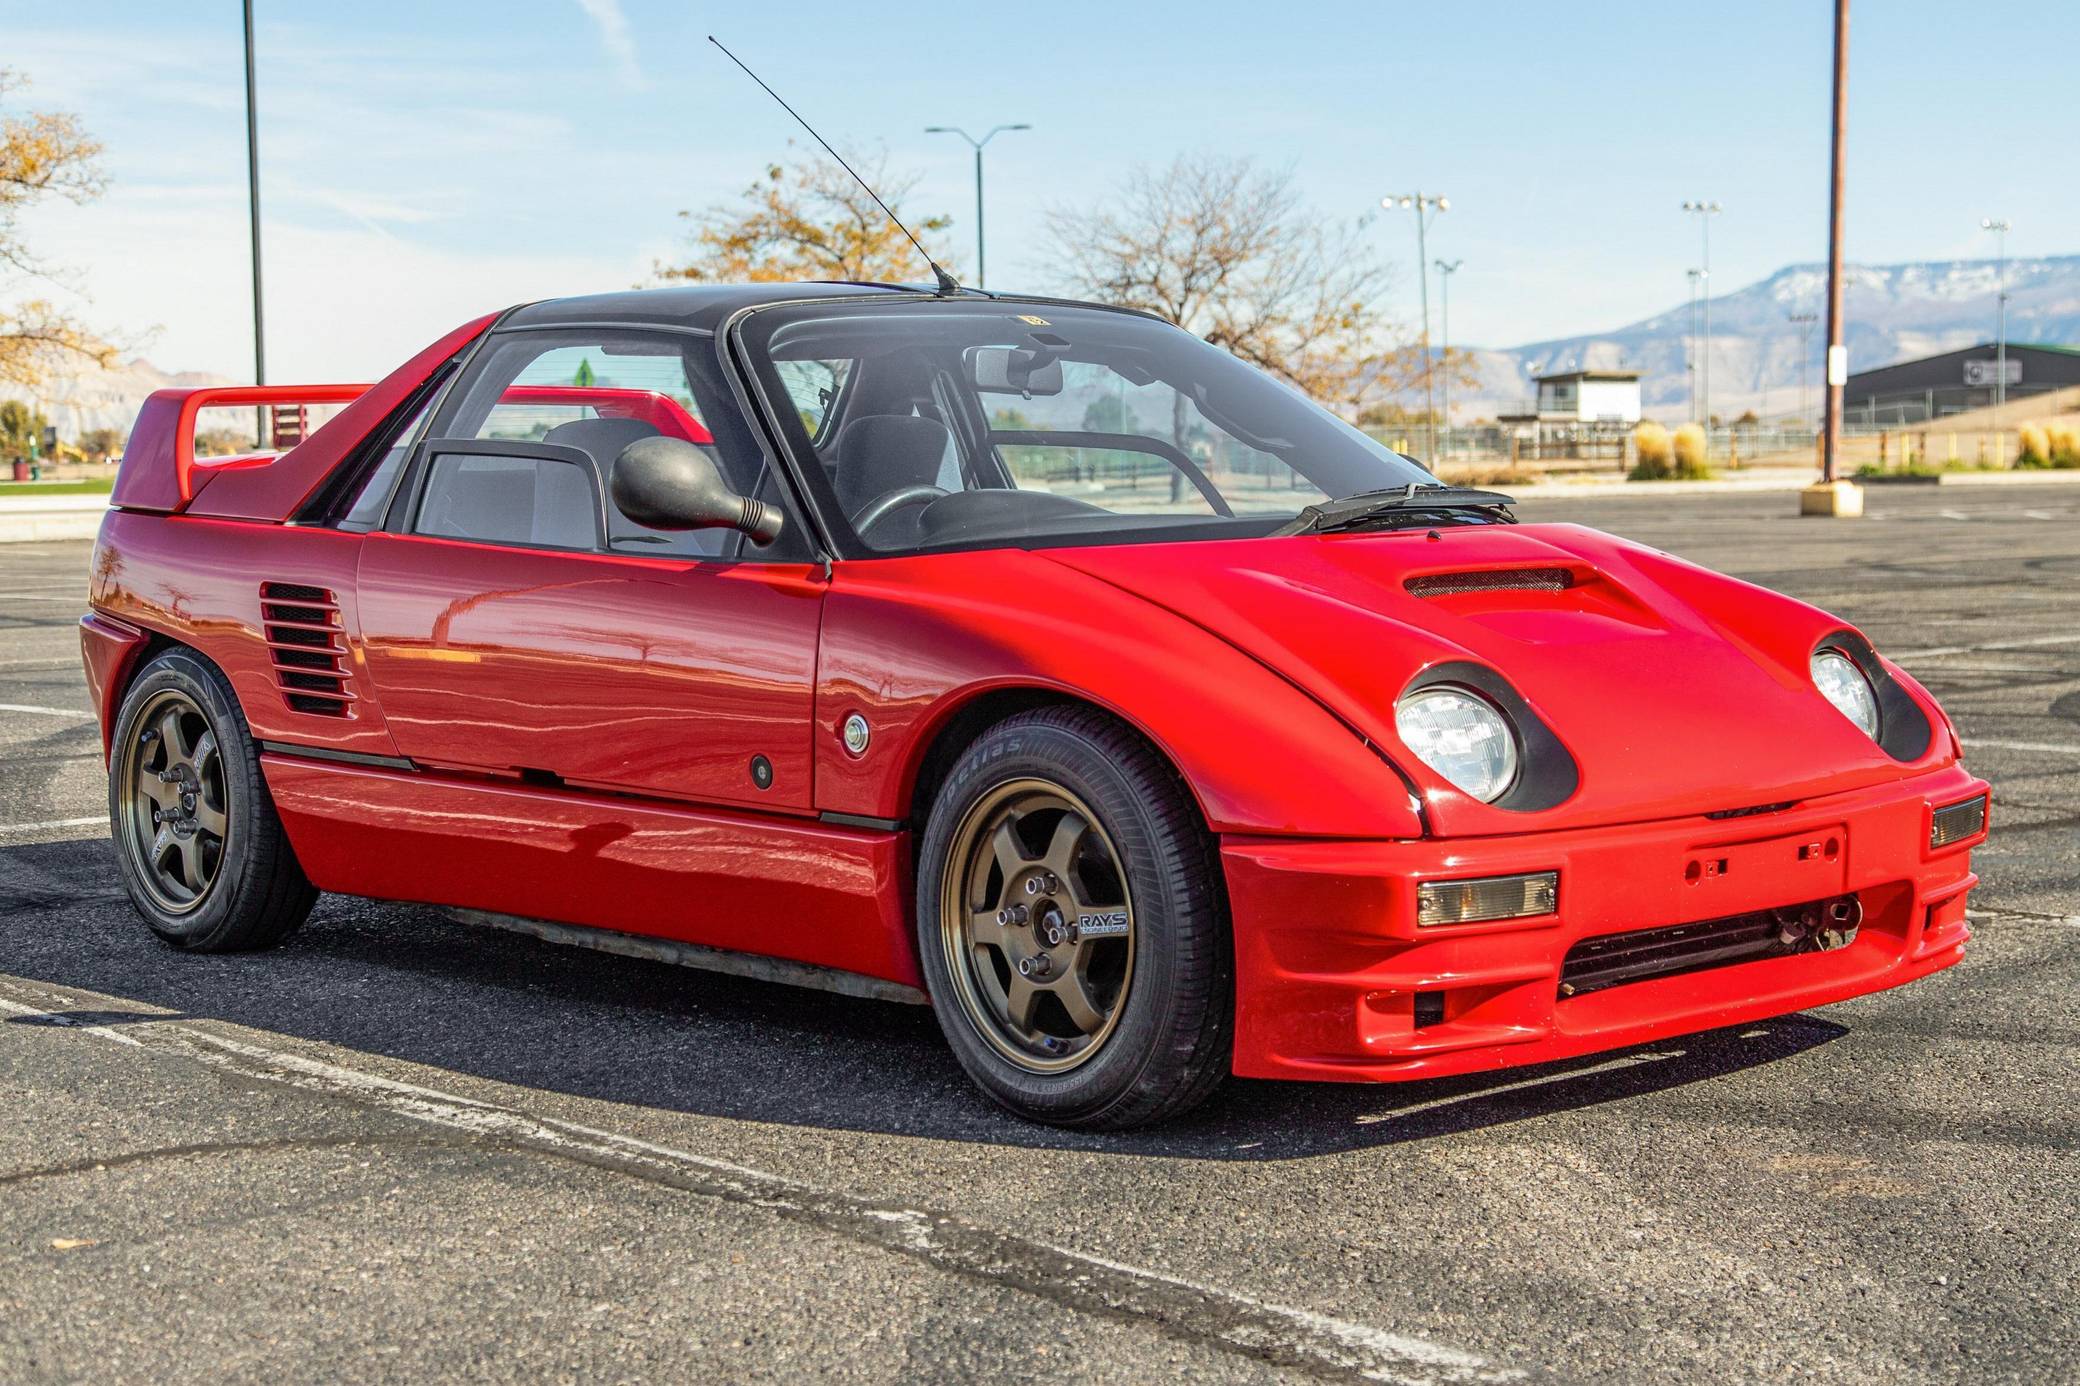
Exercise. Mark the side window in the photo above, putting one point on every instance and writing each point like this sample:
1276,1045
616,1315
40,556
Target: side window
595,391
813,386
374,499
541,502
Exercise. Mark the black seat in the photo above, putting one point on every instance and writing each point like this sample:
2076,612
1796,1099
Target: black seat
602,440
880,453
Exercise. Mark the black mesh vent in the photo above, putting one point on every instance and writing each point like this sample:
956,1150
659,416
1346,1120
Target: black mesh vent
309,674
1496,580
306,615
1643,955
290,635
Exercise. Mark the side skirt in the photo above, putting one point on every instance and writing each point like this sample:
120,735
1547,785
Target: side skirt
668,950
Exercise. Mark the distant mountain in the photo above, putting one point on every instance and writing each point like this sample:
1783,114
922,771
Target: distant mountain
1894,313
80,399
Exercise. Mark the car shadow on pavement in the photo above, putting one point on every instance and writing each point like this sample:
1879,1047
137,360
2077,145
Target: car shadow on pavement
406,983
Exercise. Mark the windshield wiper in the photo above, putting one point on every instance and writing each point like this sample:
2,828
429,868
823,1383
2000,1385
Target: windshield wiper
1415,504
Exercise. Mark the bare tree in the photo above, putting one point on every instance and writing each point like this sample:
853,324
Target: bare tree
807,221
1228,251
42,154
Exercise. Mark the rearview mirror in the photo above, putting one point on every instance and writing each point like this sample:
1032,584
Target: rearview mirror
1014,371
669,483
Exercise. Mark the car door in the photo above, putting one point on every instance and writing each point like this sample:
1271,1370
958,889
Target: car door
513,623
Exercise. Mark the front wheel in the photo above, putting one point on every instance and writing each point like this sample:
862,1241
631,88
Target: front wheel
1072,928
201,850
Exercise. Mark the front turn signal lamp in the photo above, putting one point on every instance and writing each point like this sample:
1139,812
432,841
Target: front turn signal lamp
1487,898
1956,822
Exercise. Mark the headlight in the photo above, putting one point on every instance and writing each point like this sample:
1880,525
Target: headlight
1843,684
1462,737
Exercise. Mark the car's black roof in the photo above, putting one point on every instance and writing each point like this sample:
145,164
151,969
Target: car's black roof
694,305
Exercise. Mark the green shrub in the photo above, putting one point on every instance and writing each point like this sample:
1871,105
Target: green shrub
2062,444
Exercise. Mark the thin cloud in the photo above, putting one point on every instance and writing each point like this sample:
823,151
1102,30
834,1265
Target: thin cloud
614,36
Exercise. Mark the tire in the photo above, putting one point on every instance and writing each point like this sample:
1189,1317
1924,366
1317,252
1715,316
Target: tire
218,874
1072,785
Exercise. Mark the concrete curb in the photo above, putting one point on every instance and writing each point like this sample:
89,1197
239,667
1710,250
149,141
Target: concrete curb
2017,477
32,519
1785,481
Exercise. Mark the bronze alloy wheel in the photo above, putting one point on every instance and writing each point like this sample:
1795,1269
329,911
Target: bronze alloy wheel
1037,925
174,812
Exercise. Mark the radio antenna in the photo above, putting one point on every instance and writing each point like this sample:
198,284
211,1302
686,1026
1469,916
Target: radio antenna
947,285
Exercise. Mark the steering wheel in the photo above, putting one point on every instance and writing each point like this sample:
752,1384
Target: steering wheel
889,502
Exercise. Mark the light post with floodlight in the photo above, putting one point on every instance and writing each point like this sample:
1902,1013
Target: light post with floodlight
1445,270
1425,208
981,265
1705,212
1999,227
1804,323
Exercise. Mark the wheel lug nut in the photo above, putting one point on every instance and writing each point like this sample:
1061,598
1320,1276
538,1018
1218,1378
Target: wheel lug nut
1013,914
1032,885
1053,883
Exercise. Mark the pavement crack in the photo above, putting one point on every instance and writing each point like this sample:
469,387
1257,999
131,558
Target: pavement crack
100,1163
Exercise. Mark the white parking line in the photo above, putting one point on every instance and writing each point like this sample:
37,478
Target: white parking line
1935,650
98,821
2050,747
1298,1338
48,711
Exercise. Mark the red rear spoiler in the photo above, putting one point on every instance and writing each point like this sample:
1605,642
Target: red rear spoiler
161,471
193,402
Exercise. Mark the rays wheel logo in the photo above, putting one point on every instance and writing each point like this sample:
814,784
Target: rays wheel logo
1107,924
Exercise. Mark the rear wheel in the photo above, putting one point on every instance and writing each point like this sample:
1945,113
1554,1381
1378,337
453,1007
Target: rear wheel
1074,937
199,845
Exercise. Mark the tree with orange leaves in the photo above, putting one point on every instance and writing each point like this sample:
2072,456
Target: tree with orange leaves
42,155
808,221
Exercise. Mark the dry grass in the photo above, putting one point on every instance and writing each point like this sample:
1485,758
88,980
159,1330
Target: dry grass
1651,445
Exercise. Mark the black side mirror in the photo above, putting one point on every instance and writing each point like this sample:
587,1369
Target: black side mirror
669,483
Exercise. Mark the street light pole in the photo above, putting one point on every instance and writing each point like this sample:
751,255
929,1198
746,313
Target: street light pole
1999,227
1804,322
1425,208
1445,270
981,264
253,202
1705,212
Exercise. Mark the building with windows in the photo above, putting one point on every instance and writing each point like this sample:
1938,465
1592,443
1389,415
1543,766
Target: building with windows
1589,397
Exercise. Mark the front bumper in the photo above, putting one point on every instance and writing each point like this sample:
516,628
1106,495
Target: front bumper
1329,960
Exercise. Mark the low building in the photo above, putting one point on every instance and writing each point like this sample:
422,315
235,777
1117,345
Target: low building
1953,382
1589,397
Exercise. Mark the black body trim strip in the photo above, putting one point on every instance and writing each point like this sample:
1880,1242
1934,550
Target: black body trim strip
290,748
861,820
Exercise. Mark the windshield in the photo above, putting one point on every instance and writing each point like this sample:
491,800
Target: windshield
936,424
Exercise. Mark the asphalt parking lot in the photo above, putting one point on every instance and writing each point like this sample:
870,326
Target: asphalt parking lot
399,1148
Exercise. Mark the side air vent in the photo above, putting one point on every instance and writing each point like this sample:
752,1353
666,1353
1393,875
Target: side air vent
302,627
1494,580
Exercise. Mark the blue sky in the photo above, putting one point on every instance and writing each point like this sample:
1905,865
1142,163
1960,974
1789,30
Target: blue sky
427,161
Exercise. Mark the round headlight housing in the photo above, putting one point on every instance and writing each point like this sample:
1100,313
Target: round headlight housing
1843,684
1463,737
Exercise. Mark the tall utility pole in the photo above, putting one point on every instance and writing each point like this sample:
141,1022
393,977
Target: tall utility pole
253,202
1837,353
1705,212
1999,227
1425,208
981,265
1445,270
1804,323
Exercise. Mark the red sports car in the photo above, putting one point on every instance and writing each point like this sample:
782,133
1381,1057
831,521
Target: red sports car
1033,659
